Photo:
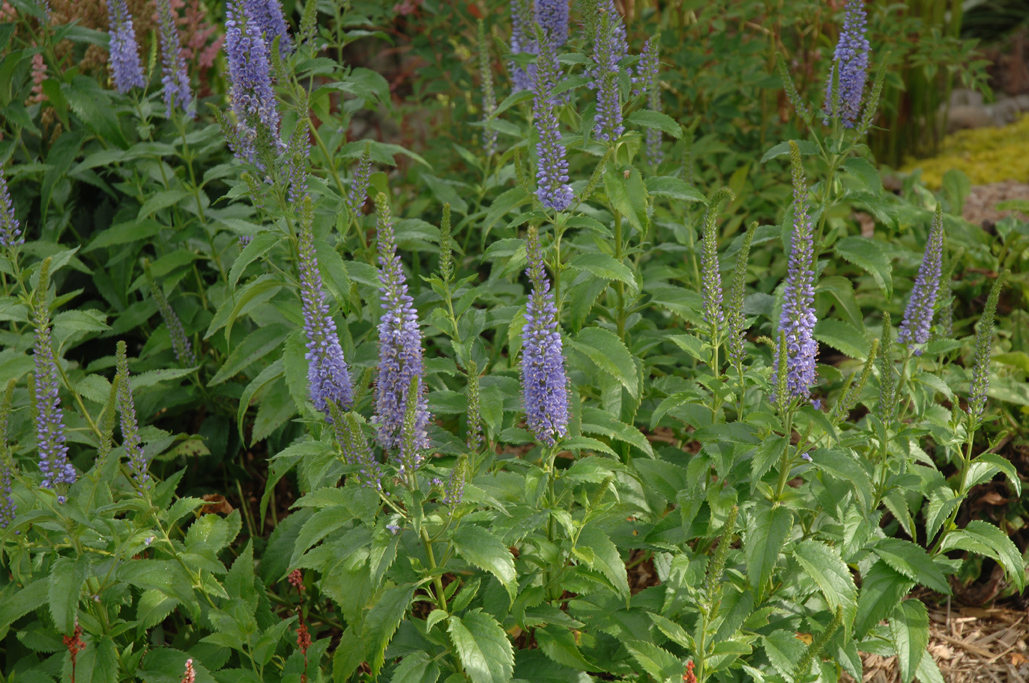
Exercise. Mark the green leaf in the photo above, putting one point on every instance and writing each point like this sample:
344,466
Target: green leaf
674,188
827,568
596,421
766,454
866,173
928,671
166,576
910,629
484,550
382,621
160,200
913,562
784,650
842,337
255,346
982,537
658,662
603,266
66,579
258,247
416,668
483,647
657,120
266,376
881,590
842,290
869,255
123,233
608,353
606,559
628,195
767,532
99,663
558,643
986,465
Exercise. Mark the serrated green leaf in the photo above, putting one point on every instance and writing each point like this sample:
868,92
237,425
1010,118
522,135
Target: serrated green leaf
596,421
674,188
913,562
910,629
881,590
382,621
603,266
479,547
656,120
65,588
609,354
606,559
983,537
254,347
842,337
767,531
482,646
258,247
827,568
416,668
869,255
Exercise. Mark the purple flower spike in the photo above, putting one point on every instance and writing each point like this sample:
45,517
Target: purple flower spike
552,16
646,83
10,230
918,316
125,65
174,77
523,41
129,426
358,193
850,62
7,505
608,50
544,383
328,377
271,24
553,189
50,440
253,99
400,351
983,351
797,318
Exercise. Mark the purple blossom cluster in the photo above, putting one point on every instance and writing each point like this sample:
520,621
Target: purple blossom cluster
126,67
797,318
400,355
553,190
10,228
918,316
270,23
646,84
358,193
552,17
174,76
453,490
129,427
523,41
355,447
297,151
544,383
253,99
850,65
328,377
608,49
50,439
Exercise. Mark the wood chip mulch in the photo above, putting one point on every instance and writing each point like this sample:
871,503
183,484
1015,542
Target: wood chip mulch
970,645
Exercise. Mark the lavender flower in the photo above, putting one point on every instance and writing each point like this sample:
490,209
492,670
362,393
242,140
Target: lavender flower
400,350
7,506
125,64
50,441
918,316
173,66
244,240
328,376
544,383
297,151
10,229
710,278
850,65
647,84
350,438
603,73
271,24
358,193
553,190
129,427
489,99
179,339
735,319
797,318
523,41
253,100
983,349
552,16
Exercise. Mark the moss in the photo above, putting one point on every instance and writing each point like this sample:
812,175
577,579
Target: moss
986,155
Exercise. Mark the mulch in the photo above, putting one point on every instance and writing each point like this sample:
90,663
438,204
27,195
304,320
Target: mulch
970,645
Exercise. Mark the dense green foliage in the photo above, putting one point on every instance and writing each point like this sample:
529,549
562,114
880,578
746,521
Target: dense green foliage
233,527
